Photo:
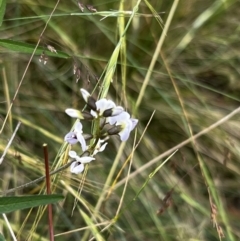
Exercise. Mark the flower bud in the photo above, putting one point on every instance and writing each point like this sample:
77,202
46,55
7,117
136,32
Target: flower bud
87,115
102,123
91,102
107,113
81,6
52,49
87,137
113,111
114,130
74,113
91,8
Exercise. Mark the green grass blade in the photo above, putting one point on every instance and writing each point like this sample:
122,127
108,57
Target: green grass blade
113,60
9,204
2,10
123,50
2,237
155,13
26,48
91,226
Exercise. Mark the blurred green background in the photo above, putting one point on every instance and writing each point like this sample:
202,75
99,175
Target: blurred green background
193,82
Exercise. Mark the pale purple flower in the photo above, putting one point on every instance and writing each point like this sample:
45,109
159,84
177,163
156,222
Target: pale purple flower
76,136
78,165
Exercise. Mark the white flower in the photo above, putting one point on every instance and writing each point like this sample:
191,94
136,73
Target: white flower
127,124
76,136
114,119
99,147
78,165
101,106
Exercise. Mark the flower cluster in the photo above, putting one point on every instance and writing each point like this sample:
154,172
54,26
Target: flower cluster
108,119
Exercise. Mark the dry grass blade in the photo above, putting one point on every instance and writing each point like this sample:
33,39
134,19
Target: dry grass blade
10,142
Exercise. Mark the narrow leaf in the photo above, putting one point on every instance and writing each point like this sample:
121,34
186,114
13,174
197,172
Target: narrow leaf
91,226
2,10
26,48
9,204
2,237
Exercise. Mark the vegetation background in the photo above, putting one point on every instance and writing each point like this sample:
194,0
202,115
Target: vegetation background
176,59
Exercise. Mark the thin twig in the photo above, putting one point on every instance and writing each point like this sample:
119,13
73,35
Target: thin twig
37,180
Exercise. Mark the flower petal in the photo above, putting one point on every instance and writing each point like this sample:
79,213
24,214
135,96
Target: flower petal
117,110
118,118
82,141
71,138
85,95
72,154
99,147
76,167
126,129
124,135
134,123
74,113
102,148
78,127
94,113
104,104
86,159
123,116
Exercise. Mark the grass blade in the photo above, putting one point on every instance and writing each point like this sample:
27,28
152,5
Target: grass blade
2,10
26,48
9,204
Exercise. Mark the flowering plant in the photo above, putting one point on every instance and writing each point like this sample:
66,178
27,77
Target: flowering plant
109,119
